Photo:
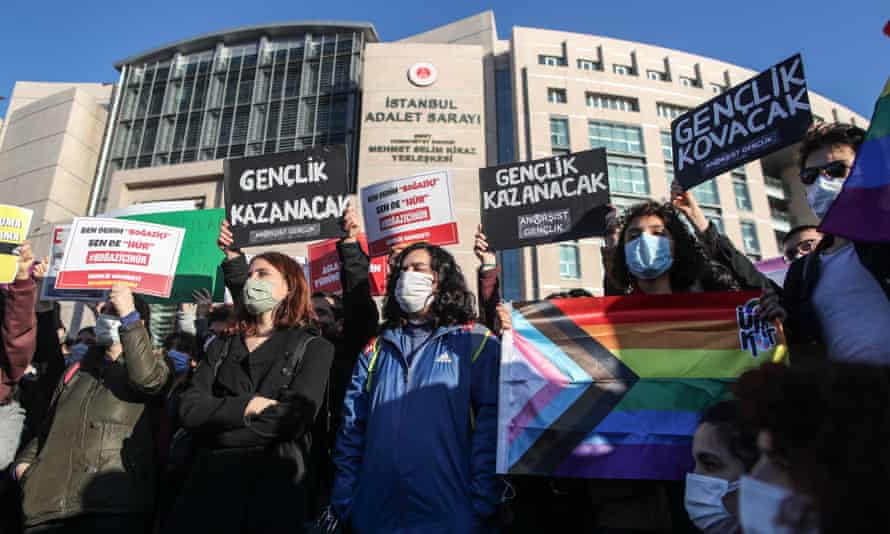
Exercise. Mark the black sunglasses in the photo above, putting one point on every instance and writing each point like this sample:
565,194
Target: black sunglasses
805,246
835,169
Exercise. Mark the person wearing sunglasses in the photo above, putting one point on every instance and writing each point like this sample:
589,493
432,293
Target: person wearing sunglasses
800,241
836,299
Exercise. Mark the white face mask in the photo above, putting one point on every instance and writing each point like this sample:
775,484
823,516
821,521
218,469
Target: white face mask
414,290
821,194
107,333
704,503
759,507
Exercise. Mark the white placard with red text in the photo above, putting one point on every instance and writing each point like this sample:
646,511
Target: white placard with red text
407,210
102,252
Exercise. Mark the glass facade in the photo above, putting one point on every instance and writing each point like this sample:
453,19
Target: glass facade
258,97
511,266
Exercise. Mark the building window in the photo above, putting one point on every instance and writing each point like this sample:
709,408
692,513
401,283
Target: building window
587,64
623,70
628,175
714,216
749,239
716,88
706,193
667,148
556,96
669,111
616,138
615,102
740,186
559,135
552,61
569,260
689,82
657,76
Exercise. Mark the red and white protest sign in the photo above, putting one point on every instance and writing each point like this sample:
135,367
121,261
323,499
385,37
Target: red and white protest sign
103,252
407,210
324,268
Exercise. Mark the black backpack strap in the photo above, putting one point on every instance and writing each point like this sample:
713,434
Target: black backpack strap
224,353
297,341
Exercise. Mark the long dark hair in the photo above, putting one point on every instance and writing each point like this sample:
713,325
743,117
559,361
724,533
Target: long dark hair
690,265
292,312
453,303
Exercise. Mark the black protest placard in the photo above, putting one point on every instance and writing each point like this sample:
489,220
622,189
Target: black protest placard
286,197
757,117
545,200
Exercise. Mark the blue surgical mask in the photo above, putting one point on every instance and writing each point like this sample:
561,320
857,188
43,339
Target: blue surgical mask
821,194
181,361
648,256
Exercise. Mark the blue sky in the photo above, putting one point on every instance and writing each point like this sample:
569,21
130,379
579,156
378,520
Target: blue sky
847,58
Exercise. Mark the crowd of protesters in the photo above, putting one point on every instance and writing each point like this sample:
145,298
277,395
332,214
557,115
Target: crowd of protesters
289,411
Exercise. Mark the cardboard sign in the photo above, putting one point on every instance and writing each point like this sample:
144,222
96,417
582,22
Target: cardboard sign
102,252
325,268
14,225
287,197
545,200
408,210
48,290
199,265
757,117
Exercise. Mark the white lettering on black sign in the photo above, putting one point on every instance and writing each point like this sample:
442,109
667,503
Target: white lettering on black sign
759,116
543,201
280,198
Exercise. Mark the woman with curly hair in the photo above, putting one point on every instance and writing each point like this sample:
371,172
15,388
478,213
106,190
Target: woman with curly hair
822,430
657,255
416,450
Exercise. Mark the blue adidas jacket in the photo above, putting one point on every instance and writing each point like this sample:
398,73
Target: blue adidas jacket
416,451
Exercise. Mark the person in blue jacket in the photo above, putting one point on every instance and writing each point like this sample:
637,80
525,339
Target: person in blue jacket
416,451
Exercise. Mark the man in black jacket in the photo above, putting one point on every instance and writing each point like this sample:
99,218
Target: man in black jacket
836,301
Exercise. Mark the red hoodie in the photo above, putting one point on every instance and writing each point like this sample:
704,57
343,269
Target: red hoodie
19,334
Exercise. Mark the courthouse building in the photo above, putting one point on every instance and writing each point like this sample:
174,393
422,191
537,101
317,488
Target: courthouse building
455,97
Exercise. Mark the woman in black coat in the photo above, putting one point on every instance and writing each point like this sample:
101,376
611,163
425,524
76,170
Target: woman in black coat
250,408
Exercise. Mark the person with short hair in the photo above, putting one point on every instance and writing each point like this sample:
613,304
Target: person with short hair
723,450
800,241
822,433
93,466
835,303
416,451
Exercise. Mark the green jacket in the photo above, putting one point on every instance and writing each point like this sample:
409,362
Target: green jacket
97,451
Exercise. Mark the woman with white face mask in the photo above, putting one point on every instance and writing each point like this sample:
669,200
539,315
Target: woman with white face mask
723,452
822,430
416,450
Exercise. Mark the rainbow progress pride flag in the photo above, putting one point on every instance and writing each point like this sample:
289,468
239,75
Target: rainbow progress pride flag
862,210
613,387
